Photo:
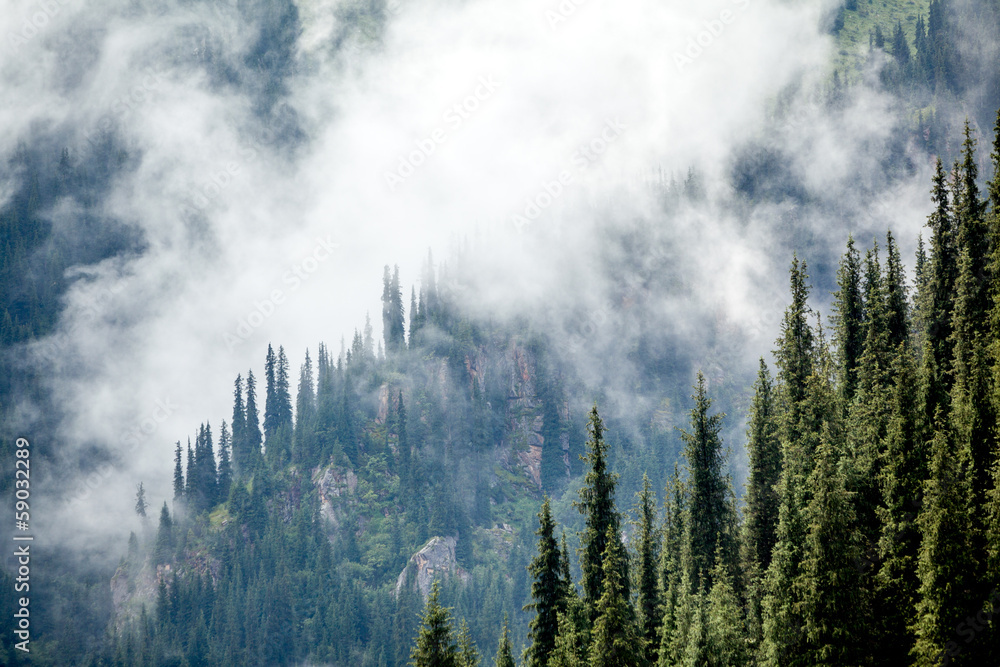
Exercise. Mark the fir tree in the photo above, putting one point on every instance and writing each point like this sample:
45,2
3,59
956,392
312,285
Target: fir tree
710,517
435,646
505,655
764,452
253,438
140,502
468,656
724,629
946,559
597,504
615,641
902,479
225,462
178,475
834,605
648,604
241,460
305,415
164,537
547,591
848,320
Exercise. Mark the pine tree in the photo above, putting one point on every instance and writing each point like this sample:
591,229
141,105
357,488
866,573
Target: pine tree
615,641
225,462
648,604
253,438
946,559
547,590
724,630
848,320
435,646
936,369
305,415
468,656
764,452
710,519
896,302
140,502
597,504
504,656
241,460
902,479
164,537
178,476
834,604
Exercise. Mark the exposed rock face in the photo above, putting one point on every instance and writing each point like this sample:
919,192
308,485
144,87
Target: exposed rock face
334,484
436,560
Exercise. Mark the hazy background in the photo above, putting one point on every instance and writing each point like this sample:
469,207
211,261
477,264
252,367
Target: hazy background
254,135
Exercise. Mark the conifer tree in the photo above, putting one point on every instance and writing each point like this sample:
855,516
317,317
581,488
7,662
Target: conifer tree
305,415
615,640
178,475
570,648
240,446
902,480
270,394
253,438
164,537
896,302
848,320
505,655
724,628
710,516
225,462
834,604
648,605
468,656
435,646
936,369
764,452
597,504
547,590
946,560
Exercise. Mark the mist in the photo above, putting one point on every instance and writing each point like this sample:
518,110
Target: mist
279,156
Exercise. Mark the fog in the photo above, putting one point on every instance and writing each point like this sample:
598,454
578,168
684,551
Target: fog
271,185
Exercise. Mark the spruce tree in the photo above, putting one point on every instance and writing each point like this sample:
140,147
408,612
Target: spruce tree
848,320
615,640
225,462
241,461
936,368
547,591
178,476
597,504
897,320
270,395
835,608
253,438
901,482
305,416
505,655
710,519
946,561
164,546
435,645
724,628
648,605
468,656
764,452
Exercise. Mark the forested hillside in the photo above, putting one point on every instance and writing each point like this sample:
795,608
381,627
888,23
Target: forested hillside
556,445
867,534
